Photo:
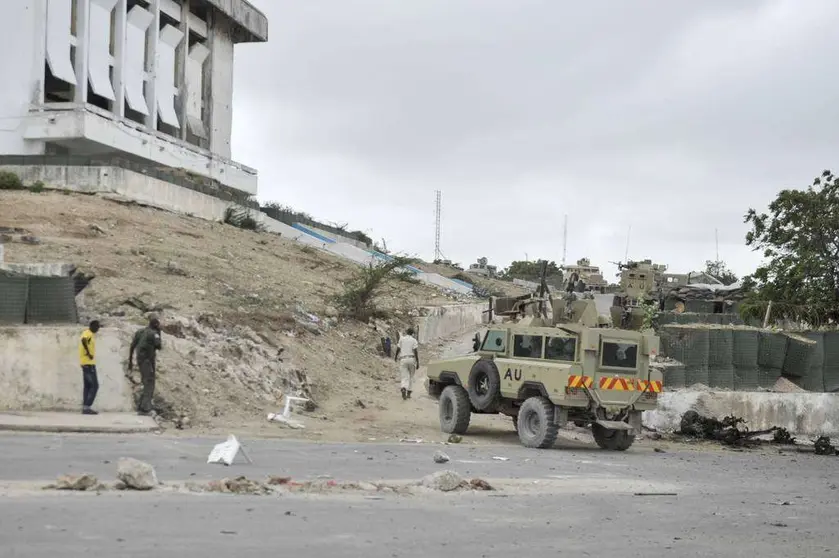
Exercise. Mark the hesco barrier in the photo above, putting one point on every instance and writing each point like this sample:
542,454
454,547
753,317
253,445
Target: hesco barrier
37,300
831,361
743,358
814,380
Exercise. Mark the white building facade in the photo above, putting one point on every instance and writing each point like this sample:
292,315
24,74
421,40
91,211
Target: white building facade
136,88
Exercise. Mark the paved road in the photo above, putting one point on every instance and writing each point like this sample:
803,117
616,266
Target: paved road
727,503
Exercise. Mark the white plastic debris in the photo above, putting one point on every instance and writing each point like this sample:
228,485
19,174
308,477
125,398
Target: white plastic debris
225,453
499,458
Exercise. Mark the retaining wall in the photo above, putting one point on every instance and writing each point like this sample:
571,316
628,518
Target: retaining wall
442,321
40,370
804,414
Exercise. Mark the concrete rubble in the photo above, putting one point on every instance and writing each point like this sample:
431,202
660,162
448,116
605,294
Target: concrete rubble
440,457
136,475
81,483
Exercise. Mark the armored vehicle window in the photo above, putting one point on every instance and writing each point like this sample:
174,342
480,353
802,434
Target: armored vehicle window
619,355
561,348
495,341
527,346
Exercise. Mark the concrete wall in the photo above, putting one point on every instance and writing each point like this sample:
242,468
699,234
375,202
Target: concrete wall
40,370
337,237
808,414
436,322
22,72
220,68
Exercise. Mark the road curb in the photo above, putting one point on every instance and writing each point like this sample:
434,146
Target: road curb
57,429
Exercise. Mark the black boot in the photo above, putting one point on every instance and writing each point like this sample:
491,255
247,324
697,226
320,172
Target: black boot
404,393
409,394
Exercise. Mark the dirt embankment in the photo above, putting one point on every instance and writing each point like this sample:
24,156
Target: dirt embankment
247,316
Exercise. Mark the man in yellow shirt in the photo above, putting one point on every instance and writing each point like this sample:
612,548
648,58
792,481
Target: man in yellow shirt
87,358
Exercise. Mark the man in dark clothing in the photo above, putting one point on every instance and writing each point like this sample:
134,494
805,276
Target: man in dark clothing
146,343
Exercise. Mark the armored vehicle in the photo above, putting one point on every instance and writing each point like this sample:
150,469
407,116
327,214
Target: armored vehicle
550,367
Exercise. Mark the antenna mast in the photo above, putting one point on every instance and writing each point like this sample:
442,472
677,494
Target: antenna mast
564,240
626,254
437,253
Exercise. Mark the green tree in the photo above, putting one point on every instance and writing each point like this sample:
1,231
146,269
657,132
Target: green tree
530,271
799,238
719,270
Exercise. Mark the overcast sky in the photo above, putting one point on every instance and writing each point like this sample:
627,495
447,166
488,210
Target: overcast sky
672,117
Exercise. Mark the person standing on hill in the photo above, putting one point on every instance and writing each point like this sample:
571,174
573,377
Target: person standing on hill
146,343
87,358
407,355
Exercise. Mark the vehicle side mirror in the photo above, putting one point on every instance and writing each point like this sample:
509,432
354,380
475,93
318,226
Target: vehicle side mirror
476,343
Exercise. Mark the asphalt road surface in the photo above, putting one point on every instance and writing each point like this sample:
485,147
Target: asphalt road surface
569,501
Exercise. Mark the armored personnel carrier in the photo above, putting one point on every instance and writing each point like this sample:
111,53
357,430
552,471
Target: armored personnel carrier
549,361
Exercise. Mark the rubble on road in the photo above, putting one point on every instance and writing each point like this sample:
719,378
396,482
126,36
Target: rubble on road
134,474
81,483
731,431
440,457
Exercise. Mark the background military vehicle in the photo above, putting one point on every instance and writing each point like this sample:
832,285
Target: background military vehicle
548,362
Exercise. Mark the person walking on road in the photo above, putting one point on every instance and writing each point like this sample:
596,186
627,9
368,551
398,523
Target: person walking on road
87,358
146,343
407,356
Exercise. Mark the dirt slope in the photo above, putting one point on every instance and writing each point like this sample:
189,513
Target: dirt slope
247,315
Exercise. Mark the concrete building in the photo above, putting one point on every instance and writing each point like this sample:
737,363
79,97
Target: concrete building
130,92
589,274
483,268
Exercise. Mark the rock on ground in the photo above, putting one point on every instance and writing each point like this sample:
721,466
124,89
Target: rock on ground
444,481
440,457
136,474
76,482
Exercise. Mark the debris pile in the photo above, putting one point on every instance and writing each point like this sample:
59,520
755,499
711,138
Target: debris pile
823,446
81,483
731,431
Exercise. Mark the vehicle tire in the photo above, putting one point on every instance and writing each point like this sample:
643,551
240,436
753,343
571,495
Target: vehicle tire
455,410
612,440
535,424
485,386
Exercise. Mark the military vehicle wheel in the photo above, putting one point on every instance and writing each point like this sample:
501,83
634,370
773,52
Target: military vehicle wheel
455,410
535,424
613,440
485,386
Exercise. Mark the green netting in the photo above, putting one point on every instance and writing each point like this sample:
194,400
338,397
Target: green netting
771,350
746,379
674,377
814,380
699,306
13,293
720,348
767,377
746,344
666,318
51,300
721,378
689,346
798,356
831,361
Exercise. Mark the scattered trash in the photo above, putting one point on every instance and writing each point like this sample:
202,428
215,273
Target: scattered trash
499,458
455,439
440,457
136,475
411,440
226,452
659,450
